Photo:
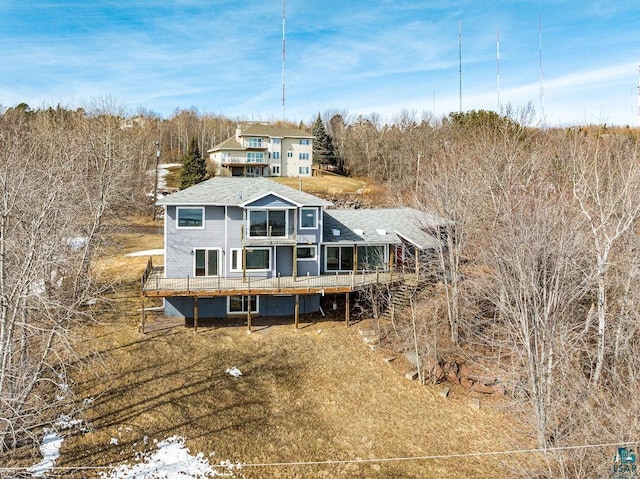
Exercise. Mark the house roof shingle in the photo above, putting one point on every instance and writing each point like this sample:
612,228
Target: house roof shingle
381,226
233,191
261,129
274,130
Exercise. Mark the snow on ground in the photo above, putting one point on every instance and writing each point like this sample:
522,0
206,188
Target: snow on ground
234,371
172,459
149,252
163,171
50,447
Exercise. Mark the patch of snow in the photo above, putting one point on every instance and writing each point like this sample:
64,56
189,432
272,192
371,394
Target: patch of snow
234,371
77,243
50,449
149,252
38,287
172,459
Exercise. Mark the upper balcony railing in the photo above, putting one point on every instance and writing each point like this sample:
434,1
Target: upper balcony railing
241,160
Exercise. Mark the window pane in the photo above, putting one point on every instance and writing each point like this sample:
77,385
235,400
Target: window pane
258,223
333,258
258,259
241,304
200,269
236,304
212,264
277,223
306,252
370,257
346,258
190,217
308,218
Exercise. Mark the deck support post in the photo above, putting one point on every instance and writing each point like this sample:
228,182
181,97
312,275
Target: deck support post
297,310
346,309
195,314
249,313
143,319
391,257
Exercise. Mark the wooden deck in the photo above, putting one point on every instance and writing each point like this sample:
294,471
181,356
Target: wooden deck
154,284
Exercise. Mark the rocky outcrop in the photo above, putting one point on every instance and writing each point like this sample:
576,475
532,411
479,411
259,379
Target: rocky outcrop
457,373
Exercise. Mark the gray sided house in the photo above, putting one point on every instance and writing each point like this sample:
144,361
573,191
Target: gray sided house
252,246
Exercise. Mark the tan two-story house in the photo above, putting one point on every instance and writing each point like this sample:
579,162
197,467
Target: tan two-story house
263,149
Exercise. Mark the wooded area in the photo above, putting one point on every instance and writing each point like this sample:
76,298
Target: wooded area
538,269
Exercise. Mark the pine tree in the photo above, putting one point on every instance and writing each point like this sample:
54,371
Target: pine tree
194,168
323,150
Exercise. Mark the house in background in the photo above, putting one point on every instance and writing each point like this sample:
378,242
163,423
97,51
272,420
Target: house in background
252,246
263,149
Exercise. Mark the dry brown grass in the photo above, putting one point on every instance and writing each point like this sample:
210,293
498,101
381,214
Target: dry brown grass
326,184
315,394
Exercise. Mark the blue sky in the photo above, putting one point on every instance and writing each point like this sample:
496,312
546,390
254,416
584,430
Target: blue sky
360,57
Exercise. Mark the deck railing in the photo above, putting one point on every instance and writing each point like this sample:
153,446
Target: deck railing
156,283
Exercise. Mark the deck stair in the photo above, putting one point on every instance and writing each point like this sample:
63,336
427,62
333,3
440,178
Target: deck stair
401,296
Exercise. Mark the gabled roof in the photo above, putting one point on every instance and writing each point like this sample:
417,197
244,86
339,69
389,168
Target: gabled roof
274,131
261,129
228,144
223,191
390,225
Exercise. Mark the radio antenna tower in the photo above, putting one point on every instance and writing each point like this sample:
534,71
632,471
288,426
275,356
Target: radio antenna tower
283,53
541,72
498,64
639,95
460,63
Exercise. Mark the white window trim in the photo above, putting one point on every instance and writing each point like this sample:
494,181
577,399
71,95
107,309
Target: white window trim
339,270
238,268
257,139
205,248
286,222
178,208
256,311
309,227
315,252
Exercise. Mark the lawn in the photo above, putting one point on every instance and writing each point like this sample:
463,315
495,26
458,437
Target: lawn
316,394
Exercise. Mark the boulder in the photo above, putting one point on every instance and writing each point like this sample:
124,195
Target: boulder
453,378
486,380
466,383
412,375
482,388
413,359
465,371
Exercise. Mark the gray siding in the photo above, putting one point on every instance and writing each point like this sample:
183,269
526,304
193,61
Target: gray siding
180,243
211,308
182,307
270,201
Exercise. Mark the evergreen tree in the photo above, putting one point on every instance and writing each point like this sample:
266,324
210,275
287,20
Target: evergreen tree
323,150
194,168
